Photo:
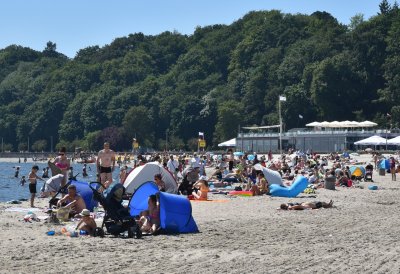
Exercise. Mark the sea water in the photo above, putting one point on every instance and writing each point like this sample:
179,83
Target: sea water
10,188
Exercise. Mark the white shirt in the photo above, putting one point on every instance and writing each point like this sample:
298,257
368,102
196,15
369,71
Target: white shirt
172,165
195,162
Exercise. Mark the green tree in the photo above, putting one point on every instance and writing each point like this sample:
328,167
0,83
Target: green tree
39,145
139,123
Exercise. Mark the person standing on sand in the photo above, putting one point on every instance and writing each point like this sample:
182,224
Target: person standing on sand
105,163
393,168
173,166
62,162
33,182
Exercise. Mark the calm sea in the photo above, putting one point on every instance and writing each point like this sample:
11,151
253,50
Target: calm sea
10,188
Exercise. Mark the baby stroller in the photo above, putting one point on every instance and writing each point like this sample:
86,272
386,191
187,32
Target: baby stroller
117,219
368,173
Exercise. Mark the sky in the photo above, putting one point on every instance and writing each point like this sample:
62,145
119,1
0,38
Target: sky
77,24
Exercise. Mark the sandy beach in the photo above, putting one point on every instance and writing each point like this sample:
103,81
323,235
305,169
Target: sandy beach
237,235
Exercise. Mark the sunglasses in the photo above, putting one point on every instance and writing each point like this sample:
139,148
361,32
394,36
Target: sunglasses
61,154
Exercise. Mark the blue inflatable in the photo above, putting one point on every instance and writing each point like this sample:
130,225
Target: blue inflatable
384,164
372,187
175,210
83,189
298,186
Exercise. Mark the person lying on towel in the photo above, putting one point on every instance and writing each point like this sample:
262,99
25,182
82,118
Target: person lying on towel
305,205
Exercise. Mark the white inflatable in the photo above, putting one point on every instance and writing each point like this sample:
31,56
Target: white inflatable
273,177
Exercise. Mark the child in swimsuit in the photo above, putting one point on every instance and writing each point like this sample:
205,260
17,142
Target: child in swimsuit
202,191
150,219
33,182
87,223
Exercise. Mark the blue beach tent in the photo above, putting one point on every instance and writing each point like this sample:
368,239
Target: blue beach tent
175,210
384,164
83,189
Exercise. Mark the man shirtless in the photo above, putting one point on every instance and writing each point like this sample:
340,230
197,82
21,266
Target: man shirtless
105,163
73,201
306,205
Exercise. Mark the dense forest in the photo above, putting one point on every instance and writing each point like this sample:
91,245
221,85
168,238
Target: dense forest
173,86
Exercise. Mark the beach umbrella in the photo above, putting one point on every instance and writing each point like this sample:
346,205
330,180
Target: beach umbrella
251,157
313,124
325,124
335,124
394,141
373,140
229,143
354,124
368,149
368,124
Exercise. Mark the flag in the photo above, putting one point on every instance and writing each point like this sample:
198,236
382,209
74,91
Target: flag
300,116
282,98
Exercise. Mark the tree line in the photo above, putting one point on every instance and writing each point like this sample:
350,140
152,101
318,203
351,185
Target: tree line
168,87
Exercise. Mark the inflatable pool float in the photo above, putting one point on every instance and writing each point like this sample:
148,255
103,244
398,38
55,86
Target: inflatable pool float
241,193
372,187
298,186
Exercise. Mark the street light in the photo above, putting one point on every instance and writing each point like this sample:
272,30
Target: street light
283,99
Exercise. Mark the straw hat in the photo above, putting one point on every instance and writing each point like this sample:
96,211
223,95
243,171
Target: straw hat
85,212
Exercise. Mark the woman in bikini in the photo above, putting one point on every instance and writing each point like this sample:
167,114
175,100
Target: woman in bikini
202,191
62,162
149,221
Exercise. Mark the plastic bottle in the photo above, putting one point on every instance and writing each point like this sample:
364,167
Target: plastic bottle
95,210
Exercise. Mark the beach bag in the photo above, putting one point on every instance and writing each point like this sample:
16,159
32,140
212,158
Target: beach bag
98,232
63,214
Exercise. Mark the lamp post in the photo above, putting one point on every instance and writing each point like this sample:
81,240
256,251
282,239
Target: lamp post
281,98
166,140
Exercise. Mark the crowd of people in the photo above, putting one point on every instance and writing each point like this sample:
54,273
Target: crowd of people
229,169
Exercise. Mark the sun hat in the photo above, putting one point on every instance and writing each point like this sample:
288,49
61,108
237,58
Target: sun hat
85,212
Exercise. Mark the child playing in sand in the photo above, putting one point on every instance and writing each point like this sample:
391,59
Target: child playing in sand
202,191
33,182
149,221
87,223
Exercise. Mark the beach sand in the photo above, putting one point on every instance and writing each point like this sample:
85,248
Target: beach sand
243,235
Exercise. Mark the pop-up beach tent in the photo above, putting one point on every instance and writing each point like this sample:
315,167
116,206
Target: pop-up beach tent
357,171
175,210
272,176
83,189
145,173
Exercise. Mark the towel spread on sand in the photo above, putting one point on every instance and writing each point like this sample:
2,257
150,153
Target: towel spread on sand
215,201
22,209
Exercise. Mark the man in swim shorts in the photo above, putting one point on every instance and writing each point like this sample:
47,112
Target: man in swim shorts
306,205
105,163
